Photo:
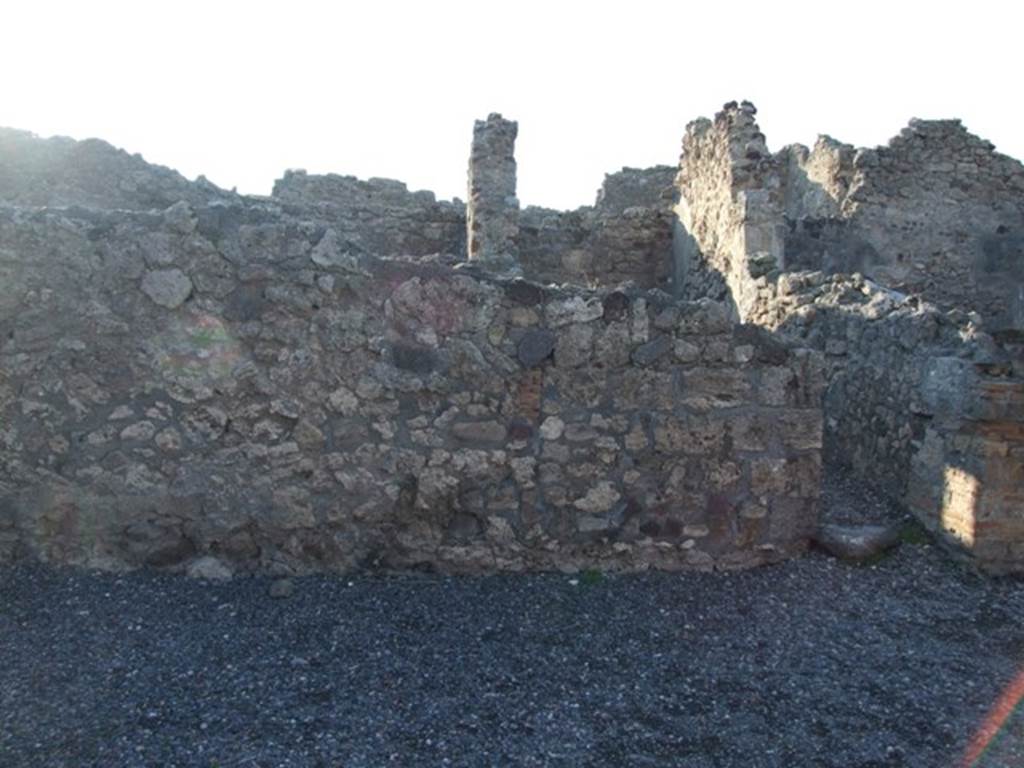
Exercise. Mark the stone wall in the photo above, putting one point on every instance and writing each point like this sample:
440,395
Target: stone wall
937,213
730,230
921,401
231,380
207,373
637,188
625,236
378,216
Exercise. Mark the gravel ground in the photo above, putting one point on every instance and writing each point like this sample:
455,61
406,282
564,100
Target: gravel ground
810,663
846,500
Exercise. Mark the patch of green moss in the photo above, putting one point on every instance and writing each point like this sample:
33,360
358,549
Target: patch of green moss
914,534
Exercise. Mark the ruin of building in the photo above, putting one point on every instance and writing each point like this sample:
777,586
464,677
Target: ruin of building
348,374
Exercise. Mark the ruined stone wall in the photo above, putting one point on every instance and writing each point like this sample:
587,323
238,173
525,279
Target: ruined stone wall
876,345
816,181
730,230
232,380
378,216
626,236
637,188
492,214
585,247
815,184
920,401
92,173
968,476
937,212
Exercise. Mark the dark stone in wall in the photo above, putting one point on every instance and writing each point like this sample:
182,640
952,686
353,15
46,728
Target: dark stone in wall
616,306
415,359
523,292
535,347
246,302
647,354
767,347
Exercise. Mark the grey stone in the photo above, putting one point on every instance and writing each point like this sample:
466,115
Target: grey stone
415,359
857,542
285,408
652,351
143,430
552,428
181,218
492,215
480,431
209,568
601,498
167,287
281,588
535,347
573,309
331,252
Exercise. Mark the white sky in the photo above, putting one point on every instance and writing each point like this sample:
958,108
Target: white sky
241,91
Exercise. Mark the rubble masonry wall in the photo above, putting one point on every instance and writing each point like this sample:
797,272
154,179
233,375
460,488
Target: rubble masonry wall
232,380
920,401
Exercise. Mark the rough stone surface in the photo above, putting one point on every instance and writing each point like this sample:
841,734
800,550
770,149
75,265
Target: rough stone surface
535,347
923,403
492,215
921,400
209,568
165,344
625,237
652,351
937,212
379,216
282,426
167,287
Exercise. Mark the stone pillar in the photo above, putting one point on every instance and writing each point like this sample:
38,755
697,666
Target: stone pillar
492,215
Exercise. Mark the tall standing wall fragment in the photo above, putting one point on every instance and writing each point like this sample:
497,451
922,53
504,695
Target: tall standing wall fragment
492,215
730,230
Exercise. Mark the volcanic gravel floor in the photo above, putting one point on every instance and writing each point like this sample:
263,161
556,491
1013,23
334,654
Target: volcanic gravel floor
810,663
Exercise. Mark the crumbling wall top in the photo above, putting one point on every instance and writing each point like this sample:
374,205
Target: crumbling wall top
60,172
637,188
